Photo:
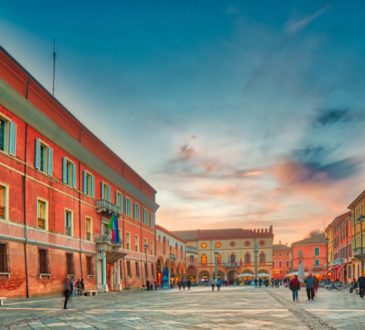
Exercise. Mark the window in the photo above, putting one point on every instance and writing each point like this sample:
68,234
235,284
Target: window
232,259
43,157
287,264
105,226
152,220
7,136
119,200
152,270
89,226
88,184
145,216
42,214
68,223
4,260
137,212
300,254
203,259
280,264
262,258
68,172
128,206
3,202
43,261
105,192
316,262
129,270
316,251
247,258
137,269
70,263
218,245
136,243
128,241
191,258
151,247
89,265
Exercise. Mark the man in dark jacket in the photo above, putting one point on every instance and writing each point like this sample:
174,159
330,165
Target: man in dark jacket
361,282
309,284
67,291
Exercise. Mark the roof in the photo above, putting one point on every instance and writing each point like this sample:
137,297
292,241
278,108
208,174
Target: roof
339,219
213,234
277,247
167,232
315,239
356,200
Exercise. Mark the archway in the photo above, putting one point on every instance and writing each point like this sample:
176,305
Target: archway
191,274
204,277
231,277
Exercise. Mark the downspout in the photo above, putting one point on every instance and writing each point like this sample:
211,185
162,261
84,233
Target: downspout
25,200
80,252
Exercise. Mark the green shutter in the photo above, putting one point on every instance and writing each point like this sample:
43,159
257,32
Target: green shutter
37,159
64,170
50,161
84,186
109,198
12,138
92,186
102,190
73,175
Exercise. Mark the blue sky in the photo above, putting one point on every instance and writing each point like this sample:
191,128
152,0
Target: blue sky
239,113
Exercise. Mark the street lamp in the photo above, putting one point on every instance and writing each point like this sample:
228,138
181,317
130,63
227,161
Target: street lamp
146,269
360,220
215,264
256,251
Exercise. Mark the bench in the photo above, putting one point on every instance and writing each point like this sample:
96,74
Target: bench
2,301
90,292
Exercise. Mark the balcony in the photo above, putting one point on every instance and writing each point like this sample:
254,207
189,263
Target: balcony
338,261
356,252
231,265
104,206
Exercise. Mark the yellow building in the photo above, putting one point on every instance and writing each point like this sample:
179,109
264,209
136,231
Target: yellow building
231,254
358,228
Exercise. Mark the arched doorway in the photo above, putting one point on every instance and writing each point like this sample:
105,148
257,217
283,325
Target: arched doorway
191,274
231,277
204,277
159,270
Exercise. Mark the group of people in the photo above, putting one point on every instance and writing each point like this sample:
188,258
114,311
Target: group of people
216,283
72,287
183,284
360,284
311,284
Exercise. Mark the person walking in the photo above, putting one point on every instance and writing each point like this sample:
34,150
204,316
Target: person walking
218,284
361,283
294,286
212,283
188,283
67,291
309,284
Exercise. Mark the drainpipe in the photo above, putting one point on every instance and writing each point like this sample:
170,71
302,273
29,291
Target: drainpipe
25,200
80,185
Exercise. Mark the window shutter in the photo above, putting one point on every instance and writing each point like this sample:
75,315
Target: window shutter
102,190
12,138
92,186
84,188
74,175
37,160
109,199
64,170
50,161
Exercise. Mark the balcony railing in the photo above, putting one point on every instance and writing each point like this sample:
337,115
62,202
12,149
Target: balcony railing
338,261
105,206
356,252
231,265
172,256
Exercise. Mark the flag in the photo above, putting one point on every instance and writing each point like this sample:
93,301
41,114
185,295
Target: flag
113,226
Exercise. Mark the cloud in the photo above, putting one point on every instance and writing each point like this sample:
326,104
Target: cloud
294,26
332,116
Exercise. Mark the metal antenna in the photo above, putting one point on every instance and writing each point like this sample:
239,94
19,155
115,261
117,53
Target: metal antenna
54,66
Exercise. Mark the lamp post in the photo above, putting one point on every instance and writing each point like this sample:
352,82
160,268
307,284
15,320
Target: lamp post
256,251
215,264
360,220
146,269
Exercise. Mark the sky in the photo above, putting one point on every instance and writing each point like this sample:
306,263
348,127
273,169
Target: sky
241,114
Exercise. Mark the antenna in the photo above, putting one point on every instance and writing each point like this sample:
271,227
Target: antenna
54,65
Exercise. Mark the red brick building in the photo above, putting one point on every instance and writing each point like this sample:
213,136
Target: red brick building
281,260
59,186
312,252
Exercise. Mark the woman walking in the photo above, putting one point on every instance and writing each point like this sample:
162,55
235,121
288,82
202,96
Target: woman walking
294,286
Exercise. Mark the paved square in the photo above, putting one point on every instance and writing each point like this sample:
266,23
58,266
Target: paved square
199,308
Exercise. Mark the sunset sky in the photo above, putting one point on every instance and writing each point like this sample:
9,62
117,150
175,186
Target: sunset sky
239,113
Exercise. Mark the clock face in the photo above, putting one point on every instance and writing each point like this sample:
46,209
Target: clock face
218,245
203,245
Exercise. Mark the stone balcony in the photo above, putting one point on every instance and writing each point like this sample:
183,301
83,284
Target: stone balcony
104,206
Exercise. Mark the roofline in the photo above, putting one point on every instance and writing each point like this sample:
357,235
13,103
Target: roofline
166,231
356,200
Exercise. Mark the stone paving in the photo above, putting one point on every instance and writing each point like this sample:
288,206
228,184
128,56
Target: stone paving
199,308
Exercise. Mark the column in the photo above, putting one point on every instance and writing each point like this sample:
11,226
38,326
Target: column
119,288
103,268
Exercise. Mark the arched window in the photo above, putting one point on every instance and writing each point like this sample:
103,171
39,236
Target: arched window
204,259
247,258
164,245
232,259
262,258
218,258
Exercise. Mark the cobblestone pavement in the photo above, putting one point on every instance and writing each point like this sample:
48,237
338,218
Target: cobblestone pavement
199,308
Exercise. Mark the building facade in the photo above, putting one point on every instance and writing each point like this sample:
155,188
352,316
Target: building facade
61,192
171,260
357,208
312,253
281,260
230,254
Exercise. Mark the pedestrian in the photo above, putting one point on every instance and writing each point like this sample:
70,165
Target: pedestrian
212,283
82,287
72,285
183,283
188,283
218,284
309,284
361,283
294,286
353,286
67,291
179,284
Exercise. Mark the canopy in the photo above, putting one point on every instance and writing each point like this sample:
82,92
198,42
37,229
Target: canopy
295,273
263,275
245,275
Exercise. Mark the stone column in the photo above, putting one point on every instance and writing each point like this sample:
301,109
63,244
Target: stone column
103,267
